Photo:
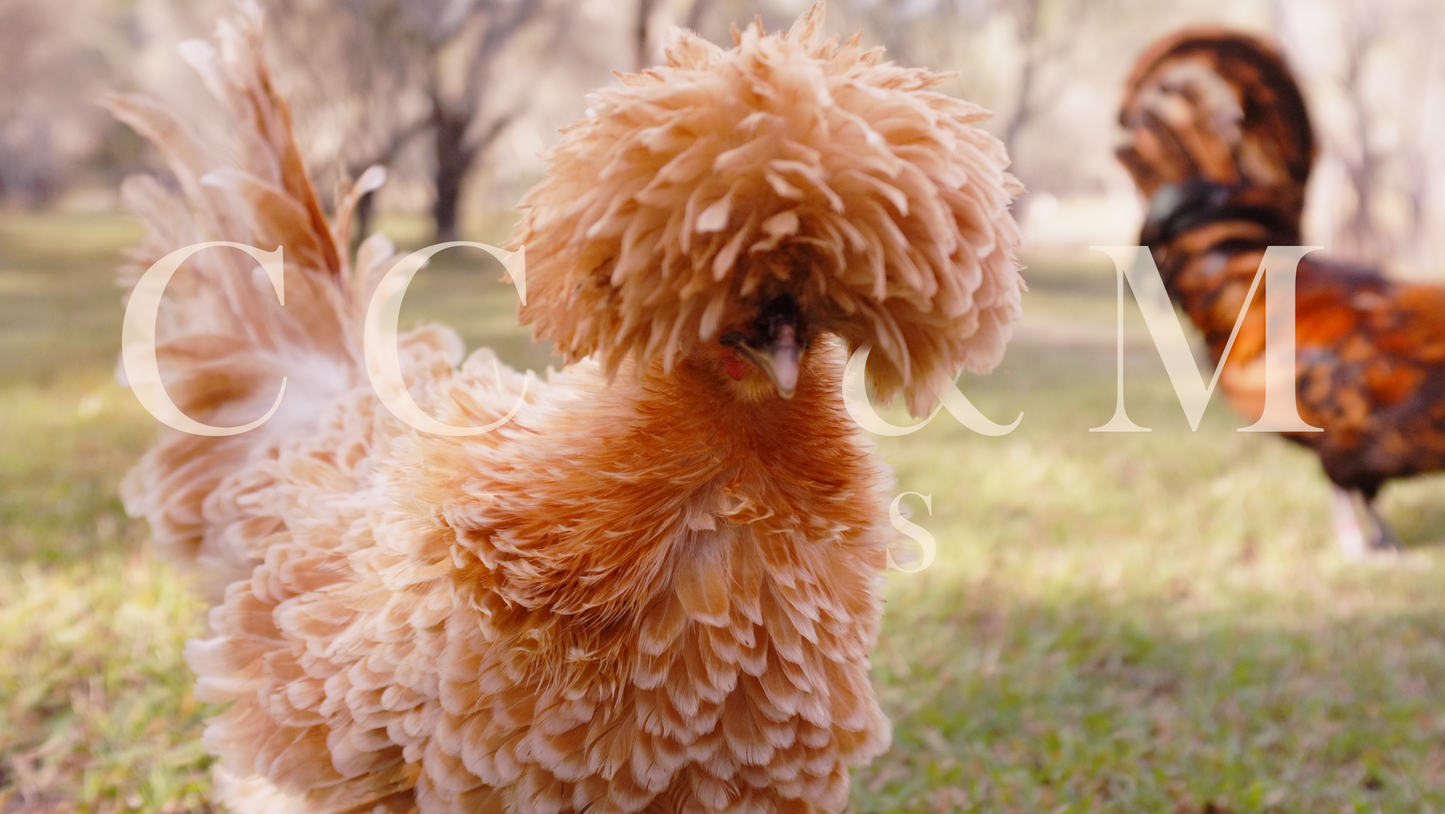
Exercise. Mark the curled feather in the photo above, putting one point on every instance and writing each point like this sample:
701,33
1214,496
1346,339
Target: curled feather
787,163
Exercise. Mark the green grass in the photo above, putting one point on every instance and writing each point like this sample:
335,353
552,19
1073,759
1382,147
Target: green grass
1152,622
96,703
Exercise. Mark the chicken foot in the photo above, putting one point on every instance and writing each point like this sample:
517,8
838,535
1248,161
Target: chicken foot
1359,529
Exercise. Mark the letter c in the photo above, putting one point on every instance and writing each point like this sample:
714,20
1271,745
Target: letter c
138,337
379,336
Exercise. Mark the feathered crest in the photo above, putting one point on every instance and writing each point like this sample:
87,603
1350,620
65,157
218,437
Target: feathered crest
789,162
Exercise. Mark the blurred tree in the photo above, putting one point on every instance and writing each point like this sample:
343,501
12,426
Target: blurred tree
1018,57
642,56
52,65
651,18
1376,79
1046,34
381,73
696,13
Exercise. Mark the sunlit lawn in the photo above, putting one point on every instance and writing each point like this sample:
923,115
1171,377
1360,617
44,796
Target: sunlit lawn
1154,622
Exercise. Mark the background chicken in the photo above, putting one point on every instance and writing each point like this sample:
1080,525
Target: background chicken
655,588
1220,143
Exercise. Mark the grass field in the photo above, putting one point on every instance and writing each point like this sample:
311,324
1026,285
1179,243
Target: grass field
1132,623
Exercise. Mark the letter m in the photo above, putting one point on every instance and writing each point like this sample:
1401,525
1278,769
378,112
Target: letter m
1278,267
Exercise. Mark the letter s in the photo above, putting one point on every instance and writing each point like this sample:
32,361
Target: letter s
916,532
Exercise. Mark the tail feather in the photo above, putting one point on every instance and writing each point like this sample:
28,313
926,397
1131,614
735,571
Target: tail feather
268,158
1221,106
223,341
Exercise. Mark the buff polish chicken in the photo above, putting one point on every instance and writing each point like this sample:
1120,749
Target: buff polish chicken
656,588
1219,142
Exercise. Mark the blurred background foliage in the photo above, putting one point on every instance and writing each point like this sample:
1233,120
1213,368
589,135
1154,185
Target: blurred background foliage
457,97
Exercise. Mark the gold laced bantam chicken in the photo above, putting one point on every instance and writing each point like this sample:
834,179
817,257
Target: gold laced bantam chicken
1219,142
656,587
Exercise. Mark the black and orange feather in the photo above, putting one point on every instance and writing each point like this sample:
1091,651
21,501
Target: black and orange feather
1220,144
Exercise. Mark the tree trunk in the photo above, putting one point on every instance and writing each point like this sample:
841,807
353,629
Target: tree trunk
453,158
365,214
696,14
641,43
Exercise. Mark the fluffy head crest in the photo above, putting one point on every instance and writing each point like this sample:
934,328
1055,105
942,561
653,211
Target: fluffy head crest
789,164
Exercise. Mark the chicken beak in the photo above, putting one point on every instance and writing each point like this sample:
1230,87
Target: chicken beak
778,361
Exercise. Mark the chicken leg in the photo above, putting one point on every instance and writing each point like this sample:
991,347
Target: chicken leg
1359,529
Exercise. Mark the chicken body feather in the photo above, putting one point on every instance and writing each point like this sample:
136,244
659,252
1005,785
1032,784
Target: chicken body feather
656,587
443,614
